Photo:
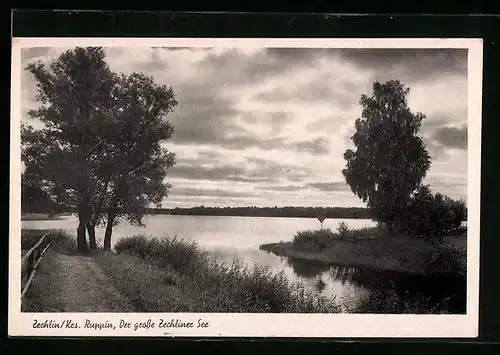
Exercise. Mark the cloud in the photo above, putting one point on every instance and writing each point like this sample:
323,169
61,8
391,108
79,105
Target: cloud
452,137
409,64
330,186
214,173
193,191
320,89
282,188
269,125
202,119
317,146
191,49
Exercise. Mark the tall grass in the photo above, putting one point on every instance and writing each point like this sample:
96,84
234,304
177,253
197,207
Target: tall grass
60,240
314,240
222,287
321,239
180,255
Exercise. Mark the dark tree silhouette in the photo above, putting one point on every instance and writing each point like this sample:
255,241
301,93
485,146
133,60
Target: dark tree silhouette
390,160
64,156
100,151
137,156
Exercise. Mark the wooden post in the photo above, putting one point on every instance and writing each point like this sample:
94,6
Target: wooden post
32,258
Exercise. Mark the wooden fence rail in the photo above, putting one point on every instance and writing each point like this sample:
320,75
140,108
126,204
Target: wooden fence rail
30,261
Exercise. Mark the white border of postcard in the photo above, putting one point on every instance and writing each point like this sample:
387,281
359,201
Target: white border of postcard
259,325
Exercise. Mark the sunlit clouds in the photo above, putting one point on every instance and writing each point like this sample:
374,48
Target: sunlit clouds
269,127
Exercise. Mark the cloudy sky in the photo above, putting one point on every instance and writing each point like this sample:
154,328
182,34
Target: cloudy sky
269,126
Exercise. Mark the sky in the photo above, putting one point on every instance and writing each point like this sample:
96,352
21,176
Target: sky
269,126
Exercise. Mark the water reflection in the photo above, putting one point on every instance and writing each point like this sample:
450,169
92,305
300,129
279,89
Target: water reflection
306,268
387,291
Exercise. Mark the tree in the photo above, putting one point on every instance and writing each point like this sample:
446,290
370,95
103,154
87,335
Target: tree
64,156
431,215
35,199
136,150
390,160
100,151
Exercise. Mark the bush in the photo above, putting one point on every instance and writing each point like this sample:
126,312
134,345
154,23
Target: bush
313,240
178,254
343,229
240,288
61,240
431,215
446,259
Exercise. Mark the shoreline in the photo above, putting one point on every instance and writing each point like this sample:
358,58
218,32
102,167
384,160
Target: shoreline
387,256
40,217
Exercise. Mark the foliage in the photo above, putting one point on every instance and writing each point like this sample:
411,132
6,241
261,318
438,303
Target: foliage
431,215
100,151
447,259
343,229
178,254
35,199
207,285
60,240
314,240
72,92
390,160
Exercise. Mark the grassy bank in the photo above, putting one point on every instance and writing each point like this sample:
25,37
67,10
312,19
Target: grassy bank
173,275
176,275
372,247
61,240
43,295
39,217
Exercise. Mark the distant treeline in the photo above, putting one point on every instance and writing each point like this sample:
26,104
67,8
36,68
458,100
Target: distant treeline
298,212
252,211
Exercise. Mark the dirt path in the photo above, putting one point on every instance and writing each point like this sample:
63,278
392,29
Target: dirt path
82,286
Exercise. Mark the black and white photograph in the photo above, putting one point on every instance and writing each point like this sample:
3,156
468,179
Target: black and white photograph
242,178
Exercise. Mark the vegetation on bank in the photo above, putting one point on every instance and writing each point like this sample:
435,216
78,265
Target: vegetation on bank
374,248
174,275
43,294
203,283
38,216
60,240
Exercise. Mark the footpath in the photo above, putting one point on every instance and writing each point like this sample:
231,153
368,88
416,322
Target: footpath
73,283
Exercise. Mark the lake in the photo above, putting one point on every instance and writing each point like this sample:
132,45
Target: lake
230,237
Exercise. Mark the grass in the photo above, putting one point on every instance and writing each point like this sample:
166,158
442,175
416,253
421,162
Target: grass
174,275
39,217
44,295
374,248
203,284
60,240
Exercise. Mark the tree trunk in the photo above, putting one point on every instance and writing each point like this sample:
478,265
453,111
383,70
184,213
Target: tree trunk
91,231
81,239
109,231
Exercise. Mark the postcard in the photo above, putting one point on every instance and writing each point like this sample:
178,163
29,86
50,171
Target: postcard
219,187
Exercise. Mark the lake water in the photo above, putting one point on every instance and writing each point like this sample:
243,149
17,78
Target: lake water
239,238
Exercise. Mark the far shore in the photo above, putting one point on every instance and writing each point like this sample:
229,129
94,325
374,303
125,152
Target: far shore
397,255
39,217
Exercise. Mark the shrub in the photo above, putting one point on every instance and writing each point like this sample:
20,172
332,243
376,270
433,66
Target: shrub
240,288
431,215
313,240
61,240
446,259
343,229
178,254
